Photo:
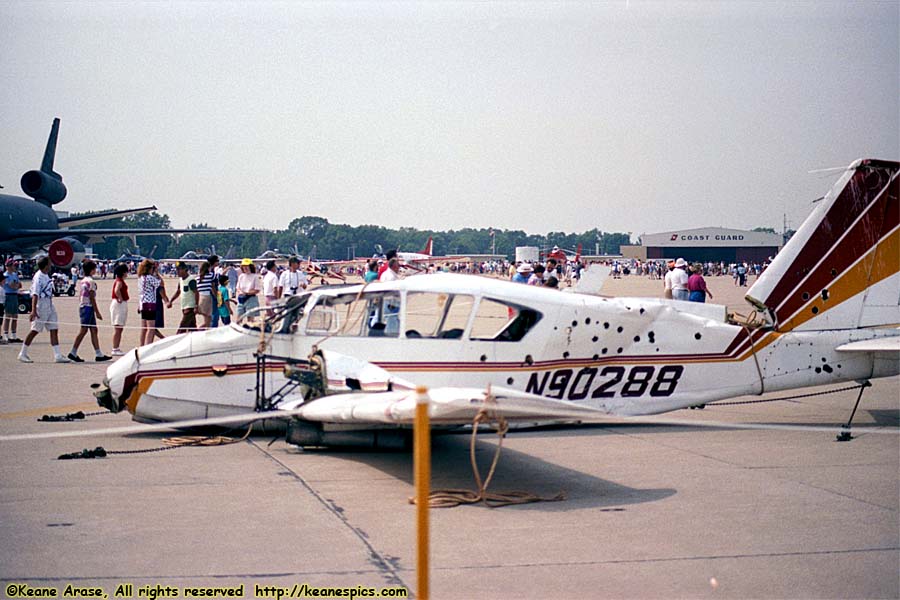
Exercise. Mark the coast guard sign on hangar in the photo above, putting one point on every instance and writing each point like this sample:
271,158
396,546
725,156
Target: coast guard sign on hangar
708,244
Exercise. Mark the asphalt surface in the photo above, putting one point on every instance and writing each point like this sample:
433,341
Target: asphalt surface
650,510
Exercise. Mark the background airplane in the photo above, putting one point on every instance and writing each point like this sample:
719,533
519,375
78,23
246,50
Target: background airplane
134,257
32,224
191,257
562,255
427,256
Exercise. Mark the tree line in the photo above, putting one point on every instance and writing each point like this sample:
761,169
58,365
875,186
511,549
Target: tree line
317,237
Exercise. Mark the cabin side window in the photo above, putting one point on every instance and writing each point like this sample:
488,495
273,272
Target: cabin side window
501,322
437,315
373,314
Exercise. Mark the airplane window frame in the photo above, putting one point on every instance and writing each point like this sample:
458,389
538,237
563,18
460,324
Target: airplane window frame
342,311
515,329
450,303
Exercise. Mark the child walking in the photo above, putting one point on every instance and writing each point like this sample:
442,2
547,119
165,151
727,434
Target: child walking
88,313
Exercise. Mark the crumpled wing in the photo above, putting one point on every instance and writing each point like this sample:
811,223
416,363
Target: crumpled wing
369,377
448,406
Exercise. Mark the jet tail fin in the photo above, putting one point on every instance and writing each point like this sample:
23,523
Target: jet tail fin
50,151
841,269
428,246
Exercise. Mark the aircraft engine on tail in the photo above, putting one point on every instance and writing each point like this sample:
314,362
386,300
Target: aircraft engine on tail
43,187
65,252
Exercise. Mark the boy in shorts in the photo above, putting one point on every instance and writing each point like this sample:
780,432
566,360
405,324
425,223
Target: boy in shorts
43,313
88,313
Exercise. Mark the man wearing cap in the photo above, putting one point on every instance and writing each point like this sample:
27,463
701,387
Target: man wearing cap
190,298
293,281
667,280
11,286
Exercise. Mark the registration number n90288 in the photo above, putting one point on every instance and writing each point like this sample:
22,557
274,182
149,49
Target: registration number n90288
606,382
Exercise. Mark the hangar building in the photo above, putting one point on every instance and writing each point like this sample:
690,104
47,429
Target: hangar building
707,244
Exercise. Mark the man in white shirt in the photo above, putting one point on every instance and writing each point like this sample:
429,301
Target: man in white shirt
270,282
679,280
43,314
392,273
293,281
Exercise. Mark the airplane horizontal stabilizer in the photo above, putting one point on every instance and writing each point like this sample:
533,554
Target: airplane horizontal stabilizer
101,233
885,344
103,216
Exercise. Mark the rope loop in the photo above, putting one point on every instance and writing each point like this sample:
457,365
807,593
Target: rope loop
449,498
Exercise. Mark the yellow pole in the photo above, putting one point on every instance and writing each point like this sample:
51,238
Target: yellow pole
422,470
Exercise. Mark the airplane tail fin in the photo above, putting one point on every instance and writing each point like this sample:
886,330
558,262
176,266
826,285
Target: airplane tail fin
46,185
50,152
428,246
578,253
841,269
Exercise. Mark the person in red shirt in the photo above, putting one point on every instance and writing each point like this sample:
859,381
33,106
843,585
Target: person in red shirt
697,285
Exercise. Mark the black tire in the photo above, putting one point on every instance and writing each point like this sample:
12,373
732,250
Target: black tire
24,308
71,291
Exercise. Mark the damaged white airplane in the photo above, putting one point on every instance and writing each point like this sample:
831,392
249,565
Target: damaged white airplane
826,311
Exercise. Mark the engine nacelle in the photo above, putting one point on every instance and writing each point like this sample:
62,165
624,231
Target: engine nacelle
306,434
43,187
65,252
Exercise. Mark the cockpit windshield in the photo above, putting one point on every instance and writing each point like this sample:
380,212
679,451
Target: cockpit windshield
281,318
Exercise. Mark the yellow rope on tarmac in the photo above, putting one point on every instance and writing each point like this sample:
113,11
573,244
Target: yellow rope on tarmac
199,440
449,498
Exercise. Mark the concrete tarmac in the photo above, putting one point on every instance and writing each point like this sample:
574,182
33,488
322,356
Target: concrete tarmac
650,511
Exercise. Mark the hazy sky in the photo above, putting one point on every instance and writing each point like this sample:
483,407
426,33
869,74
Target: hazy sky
626,116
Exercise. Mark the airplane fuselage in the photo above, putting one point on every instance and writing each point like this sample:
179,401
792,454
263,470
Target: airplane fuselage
18,213
624,356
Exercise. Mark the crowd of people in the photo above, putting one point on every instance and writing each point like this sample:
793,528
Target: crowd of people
219,292
209,298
